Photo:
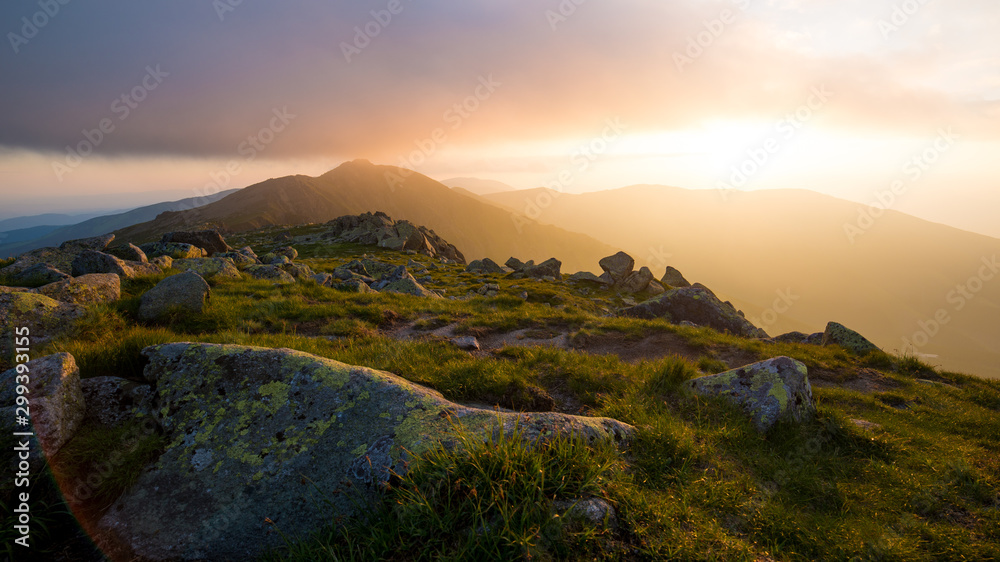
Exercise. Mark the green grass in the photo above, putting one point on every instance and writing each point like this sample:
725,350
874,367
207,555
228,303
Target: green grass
909,473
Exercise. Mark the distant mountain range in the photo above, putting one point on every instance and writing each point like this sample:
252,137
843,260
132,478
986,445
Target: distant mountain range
53,220
25,239
478,228
478,186
796,259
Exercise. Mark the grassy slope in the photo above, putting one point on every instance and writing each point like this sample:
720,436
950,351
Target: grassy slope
697,483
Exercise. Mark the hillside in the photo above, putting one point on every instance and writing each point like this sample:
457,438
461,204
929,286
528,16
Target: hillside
104,224
479,229
758,244
478,186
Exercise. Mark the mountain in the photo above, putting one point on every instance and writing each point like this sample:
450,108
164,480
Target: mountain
48,219
787,258
478,186
98,225
477,228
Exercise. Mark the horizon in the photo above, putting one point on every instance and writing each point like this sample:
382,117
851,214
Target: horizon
851,100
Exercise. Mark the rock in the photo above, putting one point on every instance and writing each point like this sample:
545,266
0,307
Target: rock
523,397
270,273
186,291
515,264
548,268
489,290
298,271
57,405
45,319
592,513
324,279
355,286
768,391
163,262
175,250
209,240
97,243
655,288
94,288
618,266
261,434
61,258
39,274
487,266
275,259
288,251
415,265
239,259
209,268
697,305
586,276
467,343
838,334
673,278
378,229
248,252
90,261
130,252
815,339
637,281
113,401
400,281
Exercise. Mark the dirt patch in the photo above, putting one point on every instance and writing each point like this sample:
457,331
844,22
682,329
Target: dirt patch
868,381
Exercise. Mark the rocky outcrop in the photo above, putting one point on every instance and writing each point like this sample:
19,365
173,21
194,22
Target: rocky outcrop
60,258
620,275
186,292
699,306
637,281
45,318
56,401
550,268
487,266
94,288
768,391
838,334
259,434
379,230
673,278
209,240
91,261
112,401
401,281
618,266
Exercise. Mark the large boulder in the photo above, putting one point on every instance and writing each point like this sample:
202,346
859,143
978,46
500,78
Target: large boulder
401,281
586,276
186,291
270,273
768,391
699,306
838,334
258,434
618,266
673,278
239,259
44,317
94,288
39,274
637,281
56,401
548,268
209,268
130,252
209,240
486,266
113,402
173,250
91,261
60,258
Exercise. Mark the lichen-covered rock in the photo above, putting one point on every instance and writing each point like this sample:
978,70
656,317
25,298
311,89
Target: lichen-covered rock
162,262
673,278
209,268
41,273
60,258
516,264
239,259
378,229
618,266
699,306
593,513
401,281
270,273
186,291
288,251
298,271
90,261
355,286
324,279
44,317
838,334
259,434
768,391
56,401
637,281
487,266
173,250
131,252
209,240
113,401
95,288
587,276
654,288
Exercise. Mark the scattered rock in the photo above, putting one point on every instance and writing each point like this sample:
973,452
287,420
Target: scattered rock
379,230
91,261
186,291
175,250
516,265
44,317
279,434
768,391
130,252
288,251
655,288
400,281
637,281
270,273
60,258
548,268
41,273
697,305
163,262
113,401
57,404
467,343
592,513
674,279
487,266
209,240
489,290
587,276
618,266
838,334
355,286
239,259
209,268
94,288
324,279
298,271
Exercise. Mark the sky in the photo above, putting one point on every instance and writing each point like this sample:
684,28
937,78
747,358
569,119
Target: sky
114,104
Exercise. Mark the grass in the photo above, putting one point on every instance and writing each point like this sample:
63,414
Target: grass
906,473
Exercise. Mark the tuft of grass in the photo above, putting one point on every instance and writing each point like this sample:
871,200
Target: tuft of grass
671,373
711,365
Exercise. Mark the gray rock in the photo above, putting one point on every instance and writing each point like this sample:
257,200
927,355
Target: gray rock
209,268
45,319
674,279
486,266
489,290
270,273
163,262
94,288
618,266
261,434
248,252
298,271
515,264
90,261
586,276
355,286
637,281
288,251
41,273
655,288
592,513
239,259
697,305
113,402
175,250
186,291
467,343
324,279
57,405
768,391
548,268
838,334
209,240
130,252
379,229
400,281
